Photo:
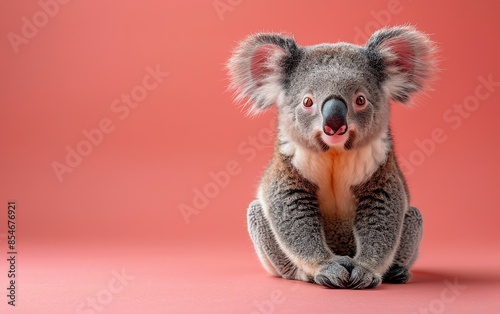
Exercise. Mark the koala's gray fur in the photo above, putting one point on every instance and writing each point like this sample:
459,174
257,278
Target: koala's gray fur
333,206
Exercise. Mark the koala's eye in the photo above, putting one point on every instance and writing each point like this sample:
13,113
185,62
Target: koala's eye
360,100
307,102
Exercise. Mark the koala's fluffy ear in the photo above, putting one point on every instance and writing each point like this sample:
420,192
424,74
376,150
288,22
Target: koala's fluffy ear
259,68
407,59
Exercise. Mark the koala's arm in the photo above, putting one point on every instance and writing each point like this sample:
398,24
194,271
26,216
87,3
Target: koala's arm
382,204
292,208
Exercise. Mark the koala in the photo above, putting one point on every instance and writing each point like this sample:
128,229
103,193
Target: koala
332,206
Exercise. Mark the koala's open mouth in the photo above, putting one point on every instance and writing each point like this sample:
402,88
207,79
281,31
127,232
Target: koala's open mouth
345,140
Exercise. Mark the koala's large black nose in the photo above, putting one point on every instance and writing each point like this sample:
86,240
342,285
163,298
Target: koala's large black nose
334,116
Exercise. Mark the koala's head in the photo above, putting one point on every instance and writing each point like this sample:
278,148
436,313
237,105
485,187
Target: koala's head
332,95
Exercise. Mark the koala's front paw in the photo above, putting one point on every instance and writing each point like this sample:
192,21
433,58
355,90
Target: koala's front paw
333,275
346,273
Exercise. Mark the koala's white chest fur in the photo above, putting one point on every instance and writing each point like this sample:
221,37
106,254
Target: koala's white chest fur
335,172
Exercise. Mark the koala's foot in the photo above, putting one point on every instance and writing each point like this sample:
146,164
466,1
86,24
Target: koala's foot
346,273
397,274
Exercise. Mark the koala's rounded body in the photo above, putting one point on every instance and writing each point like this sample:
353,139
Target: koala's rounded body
333,206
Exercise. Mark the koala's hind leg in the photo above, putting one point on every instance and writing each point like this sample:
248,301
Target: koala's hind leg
399,271
270,254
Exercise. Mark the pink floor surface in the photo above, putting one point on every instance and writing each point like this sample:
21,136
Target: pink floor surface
226,278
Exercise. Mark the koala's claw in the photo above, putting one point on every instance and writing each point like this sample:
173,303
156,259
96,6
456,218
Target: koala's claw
333,275
347,274
397,274
331,282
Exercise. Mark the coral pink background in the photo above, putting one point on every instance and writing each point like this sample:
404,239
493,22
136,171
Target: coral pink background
119,207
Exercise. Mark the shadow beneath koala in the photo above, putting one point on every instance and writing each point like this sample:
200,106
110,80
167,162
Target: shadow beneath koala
474,277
